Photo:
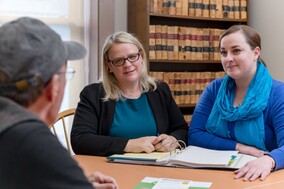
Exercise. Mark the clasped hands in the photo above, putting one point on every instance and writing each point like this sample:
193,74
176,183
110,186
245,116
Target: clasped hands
254,169
161,143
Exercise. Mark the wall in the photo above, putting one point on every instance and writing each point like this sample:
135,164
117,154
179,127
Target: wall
120,13
267,18
106,17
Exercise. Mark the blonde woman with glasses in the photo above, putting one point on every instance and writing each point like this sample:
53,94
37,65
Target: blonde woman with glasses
127,111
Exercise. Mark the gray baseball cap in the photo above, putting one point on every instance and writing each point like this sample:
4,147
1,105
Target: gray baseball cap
28,48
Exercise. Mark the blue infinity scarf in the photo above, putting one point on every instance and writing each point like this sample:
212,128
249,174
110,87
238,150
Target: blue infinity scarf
247,118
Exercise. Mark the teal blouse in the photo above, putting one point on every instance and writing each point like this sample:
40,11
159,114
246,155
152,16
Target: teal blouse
133,118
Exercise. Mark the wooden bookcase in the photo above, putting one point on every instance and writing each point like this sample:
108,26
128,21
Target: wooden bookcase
139,20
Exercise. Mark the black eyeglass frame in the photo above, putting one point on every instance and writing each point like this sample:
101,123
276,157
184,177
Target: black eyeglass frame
121,61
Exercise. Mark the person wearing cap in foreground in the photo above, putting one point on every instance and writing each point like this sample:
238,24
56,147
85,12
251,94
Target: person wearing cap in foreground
32,79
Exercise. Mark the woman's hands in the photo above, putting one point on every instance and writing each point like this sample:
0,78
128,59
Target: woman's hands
101,181
143,144
161,143
260,167
165,143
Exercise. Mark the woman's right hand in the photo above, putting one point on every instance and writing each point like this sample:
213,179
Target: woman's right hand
143,144
250,150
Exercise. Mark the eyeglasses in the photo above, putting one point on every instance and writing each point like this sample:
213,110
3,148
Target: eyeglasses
121,61
69,73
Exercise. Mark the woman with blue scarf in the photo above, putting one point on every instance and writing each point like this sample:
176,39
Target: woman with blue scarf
243,111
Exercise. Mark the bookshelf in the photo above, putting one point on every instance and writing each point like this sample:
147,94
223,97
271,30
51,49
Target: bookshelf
192,29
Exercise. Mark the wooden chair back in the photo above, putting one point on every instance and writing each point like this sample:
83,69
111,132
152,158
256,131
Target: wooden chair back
62,119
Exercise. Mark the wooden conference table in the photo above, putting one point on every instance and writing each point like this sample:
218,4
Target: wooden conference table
128,176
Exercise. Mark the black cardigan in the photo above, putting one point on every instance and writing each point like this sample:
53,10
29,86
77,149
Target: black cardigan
94,117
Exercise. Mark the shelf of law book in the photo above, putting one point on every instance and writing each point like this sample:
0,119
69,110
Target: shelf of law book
219,9
184,44
186,87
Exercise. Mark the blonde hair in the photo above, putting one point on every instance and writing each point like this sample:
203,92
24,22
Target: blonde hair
110,83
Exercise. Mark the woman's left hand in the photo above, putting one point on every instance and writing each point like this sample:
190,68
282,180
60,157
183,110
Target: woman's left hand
260,167
165,143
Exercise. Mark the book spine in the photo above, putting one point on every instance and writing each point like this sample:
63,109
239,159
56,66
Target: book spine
152,42
170,43
211,43
198,8
193,40
172,7
178,89
157,75
164,42
199,44
193,88
152,6
187,77
160,6
219,9
205,8
175,42
165,7
155,6
231,7
185,81
184,11
187,43
237,9
158,42
226,8
208,77
218,33
181,43
198,89
243,9
221,74
178,7
191,8
174,86
212,8
206,46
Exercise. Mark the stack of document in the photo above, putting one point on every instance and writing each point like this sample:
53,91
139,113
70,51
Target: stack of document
191,156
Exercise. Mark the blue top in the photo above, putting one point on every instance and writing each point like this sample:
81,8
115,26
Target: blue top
133,118
273,123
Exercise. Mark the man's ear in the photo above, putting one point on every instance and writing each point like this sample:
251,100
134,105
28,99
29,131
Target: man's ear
52,89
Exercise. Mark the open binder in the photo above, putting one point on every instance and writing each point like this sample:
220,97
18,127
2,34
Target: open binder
191,157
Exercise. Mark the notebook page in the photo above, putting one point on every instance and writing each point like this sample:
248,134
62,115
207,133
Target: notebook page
200,157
